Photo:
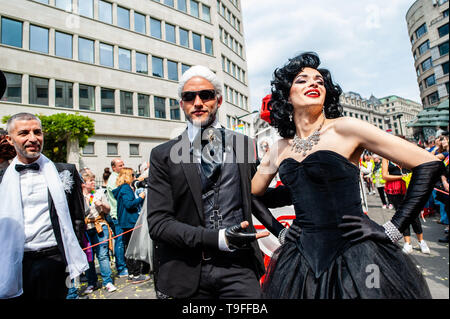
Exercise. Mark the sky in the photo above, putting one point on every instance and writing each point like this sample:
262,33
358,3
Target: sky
364,43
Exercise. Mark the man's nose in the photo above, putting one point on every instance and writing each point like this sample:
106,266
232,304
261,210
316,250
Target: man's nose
198,102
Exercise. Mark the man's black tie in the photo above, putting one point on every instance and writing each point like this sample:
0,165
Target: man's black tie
20,167
213,142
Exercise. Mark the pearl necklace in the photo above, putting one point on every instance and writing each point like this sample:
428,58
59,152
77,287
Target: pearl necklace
306,144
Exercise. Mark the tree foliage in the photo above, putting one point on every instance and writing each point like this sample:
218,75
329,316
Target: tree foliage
59,128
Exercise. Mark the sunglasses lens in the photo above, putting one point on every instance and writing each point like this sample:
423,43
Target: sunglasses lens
188,96
207,94
203,94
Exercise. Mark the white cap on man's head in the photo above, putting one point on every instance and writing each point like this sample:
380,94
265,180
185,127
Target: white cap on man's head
201,71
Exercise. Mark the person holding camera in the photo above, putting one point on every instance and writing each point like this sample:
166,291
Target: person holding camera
128,208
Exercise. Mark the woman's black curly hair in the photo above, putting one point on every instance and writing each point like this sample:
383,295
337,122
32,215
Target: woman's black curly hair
280,108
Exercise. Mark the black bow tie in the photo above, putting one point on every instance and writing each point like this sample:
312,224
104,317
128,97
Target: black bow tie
20,167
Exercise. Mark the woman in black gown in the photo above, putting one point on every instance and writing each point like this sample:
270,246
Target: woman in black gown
340,252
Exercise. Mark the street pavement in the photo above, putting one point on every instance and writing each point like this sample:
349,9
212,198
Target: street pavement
435,266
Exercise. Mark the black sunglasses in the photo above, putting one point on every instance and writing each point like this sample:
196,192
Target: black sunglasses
204,95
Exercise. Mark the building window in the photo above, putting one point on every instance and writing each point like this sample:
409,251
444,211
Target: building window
123,17
157,67
206,13
421,31
424,47
86,8
446,87
112,148
445,13
194,8
126,103
426,64
182,5
86,94
443,30
89,149
445,67
13,92
197,41
208,46
174,109
12,32
106,54
63,94
38,91
155,28
170,33
143,105
38,39
184,37
443,48
433,98
107,100
105,11
141,63
64,4
430,80
134,149
63,45
160,107
139,22
169,3
172,70
184,67
85,50
124,59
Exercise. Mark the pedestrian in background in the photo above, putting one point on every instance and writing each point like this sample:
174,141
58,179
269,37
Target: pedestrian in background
378,180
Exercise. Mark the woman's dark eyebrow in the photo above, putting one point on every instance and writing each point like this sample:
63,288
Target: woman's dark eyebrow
305,76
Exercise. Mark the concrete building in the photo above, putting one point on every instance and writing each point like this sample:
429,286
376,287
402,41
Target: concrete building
428,29
118,62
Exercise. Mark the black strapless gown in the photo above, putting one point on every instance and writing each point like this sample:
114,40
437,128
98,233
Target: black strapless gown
322,264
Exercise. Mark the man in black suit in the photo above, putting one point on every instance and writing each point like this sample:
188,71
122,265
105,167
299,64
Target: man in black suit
50,238
200,205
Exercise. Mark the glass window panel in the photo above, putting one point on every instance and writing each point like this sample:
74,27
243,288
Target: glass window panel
64,4
424,47
194,8
197,41
157,67
421,30
184,37
431,80
11,32
155,28
107,100
124,59
63,45
13,92
126,103
134,149
141,63
174,110
143,105
63,94
139,22
426,64
184,68
85,50
206,13
42,1
89,149
445,67
208,46
172,69
38,39
105,11
170,33
433,98
443,48
182,5
38,91
160,107
123,17
106,54
86,8
443,30
169,3
112,148
86,94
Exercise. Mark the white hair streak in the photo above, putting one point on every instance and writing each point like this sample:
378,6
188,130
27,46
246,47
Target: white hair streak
200,71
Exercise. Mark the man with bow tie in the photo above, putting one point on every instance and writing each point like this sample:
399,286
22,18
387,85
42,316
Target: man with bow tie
200,206
41,218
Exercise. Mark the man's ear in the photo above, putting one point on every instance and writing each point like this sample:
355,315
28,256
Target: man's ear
219,101
9,139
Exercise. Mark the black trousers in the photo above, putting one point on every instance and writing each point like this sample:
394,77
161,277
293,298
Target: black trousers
416,225
224,278
44,275
382,195
135,267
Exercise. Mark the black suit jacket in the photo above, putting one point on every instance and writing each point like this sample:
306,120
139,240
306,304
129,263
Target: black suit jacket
75,202
175,213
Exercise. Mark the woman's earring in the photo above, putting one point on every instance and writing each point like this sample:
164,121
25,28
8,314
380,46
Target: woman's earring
290,117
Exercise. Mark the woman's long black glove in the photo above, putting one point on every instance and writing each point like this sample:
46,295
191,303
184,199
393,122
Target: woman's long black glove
423,179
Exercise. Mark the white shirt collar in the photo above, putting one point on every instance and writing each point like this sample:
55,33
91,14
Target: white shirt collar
39,160
192,130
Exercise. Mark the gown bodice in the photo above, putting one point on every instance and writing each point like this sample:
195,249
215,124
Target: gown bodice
324,187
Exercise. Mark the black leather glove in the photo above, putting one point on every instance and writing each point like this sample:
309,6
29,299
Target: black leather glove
423,178
265,217
293,232
237,239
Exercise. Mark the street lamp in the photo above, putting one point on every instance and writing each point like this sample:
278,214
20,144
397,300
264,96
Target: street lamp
399,122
